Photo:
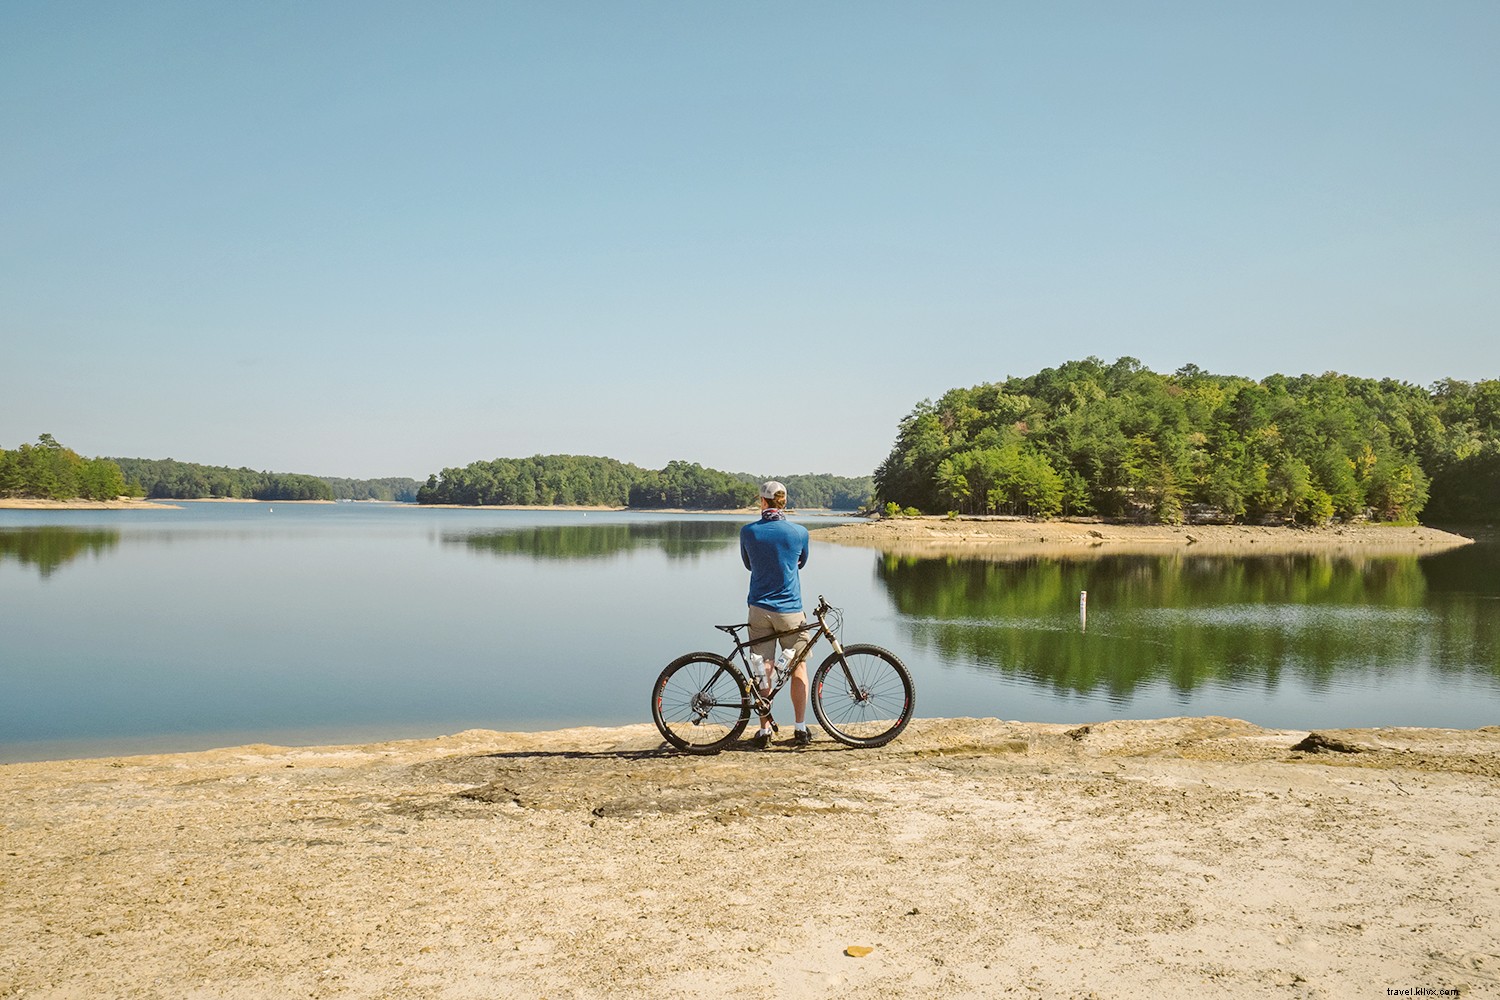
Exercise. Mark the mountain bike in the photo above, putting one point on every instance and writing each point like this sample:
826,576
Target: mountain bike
862,695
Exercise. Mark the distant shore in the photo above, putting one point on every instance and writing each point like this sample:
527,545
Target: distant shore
1120,859
585,508
1082,539
251,500
745,512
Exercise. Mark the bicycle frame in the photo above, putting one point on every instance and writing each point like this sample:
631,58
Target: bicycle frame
818,626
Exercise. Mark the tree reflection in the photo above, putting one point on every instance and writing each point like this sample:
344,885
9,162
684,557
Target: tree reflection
684,539
1189,621
50,547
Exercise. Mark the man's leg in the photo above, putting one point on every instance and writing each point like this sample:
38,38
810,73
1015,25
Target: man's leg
799,694
760,625
799,675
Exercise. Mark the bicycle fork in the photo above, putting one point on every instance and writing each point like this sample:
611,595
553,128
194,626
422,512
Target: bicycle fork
860,695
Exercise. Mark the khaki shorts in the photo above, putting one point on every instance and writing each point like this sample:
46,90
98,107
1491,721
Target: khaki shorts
763,622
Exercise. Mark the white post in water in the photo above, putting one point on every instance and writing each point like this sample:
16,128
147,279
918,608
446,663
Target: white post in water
1083,610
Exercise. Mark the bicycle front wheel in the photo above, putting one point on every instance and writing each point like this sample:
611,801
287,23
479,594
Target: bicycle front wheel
701,703
863,696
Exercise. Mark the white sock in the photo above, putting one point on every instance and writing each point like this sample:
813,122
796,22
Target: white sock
764,731
801,727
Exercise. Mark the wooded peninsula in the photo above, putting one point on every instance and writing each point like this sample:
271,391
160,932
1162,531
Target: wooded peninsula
1121,441
49,471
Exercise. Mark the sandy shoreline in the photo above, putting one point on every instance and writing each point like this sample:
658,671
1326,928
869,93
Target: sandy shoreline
126,503
976,858
15,503
994,538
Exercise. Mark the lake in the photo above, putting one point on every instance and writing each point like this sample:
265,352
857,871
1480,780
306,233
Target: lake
225,623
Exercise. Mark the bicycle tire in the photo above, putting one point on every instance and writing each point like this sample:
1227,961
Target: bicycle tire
700,703
877,709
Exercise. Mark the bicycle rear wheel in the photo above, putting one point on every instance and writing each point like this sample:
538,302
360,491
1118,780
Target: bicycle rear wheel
869,705
701,703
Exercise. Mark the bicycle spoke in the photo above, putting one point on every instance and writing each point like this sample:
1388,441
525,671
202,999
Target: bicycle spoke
863,698
699,703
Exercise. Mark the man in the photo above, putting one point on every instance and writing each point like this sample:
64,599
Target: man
774,550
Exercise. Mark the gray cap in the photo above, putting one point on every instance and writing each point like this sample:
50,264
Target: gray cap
770,488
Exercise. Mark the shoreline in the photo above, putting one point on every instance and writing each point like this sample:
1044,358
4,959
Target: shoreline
123,503
1126,858
28,503
1017,539
987,538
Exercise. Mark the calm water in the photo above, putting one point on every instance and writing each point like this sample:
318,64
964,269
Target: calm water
217,624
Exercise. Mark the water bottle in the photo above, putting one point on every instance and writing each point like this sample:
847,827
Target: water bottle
760,669
782,664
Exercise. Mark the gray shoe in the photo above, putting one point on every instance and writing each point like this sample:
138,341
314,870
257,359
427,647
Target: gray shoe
801,738
760,740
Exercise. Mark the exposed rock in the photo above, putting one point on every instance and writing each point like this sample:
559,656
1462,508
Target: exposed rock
1326,743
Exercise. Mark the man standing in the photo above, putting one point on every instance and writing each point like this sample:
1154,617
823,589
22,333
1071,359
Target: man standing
774,550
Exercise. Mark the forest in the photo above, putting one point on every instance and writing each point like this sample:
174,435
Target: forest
1121,441
169,479
566,480
48,471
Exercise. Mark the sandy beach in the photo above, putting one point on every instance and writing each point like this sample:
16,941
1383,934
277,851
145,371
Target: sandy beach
123,503
130,503
973,858
1015,538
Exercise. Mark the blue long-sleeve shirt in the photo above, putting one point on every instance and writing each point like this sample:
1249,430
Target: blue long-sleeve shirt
773,552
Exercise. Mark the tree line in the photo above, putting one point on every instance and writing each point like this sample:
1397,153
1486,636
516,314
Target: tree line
48,471
169,479
1119,440
582,480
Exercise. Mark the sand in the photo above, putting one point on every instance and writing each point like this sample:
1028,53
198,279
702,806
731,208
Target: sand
1019,538
973,858
123,503
130,503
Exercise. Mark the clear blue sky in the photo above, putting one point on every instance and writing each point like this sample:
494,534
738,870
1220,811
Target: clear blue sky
373,239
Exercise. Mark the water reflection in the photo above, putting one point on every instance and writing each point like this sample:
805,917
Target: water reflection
1473,569
50,547
676,539
1191,621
